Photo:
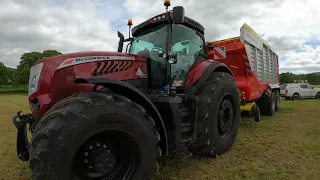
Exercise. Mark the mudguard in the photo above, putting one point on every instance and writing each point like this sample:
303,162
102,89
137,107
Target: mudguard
214,66
125,89
273,86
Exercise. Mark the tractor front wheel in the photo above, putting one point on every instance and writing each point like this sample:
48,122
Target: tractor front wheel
95,136
218,116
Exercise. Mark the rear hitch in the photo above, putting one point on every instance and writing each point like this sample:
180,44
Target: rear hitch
20,121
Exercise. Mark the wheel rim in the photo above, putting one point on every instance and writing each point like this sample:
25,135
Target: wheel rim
226,116
295,96
109,155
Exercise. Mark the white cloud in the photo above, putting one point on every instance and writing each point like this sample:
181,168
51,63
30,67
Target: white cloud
302,62
40,25
82,25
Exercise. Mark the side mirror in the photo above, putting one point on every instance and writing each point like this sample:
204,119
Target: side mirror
121,40
178,15
172,57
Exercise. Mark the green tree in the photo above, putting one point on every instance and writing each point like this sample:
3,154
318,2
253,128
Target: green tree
3,74
21,76
286,77
50,53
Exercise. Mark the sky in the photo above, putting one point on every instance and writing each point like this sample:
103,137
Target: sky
290,27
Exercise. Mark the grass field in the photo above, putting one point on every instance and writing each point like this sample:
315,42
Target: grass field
285,146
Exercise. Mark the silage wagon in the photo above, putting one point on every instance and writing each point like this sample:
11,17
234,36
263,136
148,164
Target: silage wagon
254,63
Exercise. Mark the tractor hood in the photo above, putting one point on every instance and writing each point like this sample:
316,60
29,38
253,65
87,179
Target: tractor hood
84,57
55,76
93,63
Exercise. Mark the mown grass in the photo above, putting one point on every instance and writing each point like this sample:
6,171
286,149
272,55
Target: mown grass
285,146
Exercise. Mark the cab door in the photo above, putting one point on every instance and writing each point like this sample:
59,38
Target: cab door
188,46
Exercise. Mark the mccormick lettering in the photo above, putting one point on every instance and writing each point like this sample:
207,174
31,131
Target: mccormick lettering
92,58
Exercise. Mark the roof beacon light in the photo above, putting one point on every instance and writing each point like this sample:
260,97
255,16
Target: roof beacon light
167,4
129,22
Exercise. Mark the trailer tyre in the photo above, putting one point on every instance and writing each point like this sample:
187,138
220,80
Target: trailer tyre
277,94
267,104
218,116
95,136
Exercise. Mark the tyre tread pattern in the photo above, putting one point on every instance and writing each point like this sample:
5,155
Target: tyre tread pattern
203,146
55,120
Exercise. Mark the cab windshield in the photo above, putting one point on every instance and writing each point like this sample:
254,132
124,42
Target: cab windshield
153,44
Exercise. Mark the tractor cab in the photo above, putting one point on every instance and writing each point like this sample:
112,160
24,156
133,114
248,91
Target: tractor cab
171,42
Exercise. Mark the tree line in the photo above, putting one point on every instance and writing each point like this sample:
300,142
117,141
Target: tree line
312,78
20,76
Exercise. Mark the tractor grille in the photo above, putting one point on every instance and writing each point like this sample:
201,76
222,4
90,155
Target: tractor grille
111,67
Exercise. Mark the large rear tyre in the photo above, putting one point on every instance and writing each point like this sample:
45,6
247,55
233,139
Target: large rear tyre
218,116
95,136
267,104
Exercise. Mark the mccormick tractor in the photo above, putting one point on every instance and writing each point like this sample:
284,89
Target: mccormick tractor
111,115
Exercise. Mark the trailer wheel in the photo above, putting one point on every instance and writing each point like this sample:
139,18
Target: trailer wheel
267,104
218,116
277,94
95,136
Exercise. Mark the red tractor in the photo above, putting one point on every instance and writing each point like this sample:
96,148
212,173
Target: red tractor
111,115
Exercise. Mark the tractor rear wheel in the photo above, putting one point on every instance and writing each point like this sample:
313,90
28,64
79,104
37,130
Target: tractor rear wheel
95,136
218,116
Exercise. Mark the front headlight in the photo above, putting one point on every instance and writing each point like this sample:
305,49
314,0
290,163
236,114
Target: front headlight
34,78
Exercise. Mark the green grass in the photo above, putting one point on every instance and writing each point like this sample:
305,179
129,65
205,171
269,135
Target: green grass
317,86
9,89
285,146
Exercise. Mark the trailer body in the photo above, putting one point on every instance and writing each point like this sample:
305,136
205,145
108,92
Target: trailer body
253,62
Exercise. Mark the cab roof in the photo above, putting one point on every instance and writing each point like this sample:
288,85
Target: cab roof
165,17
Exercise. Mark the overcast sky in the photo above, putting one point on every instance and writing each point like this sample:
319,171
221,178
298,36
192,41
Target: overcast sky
291,27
